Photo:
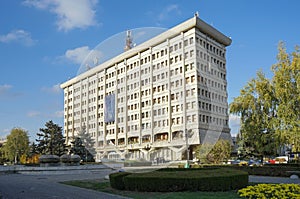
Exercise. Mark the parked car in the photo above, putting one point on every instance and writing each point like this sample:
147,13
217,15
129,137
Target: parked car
279,160
271,161
252,163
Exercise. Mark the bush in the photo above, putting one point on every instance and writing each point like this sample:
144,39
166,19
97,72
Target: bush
283,191
170,180
117,180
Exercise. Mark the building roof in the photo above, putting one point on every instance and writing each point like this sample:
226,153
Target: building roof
186,25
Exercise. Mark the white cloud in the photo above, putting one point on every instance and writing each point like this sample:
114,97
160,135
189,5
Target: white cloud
33,114
19,36
6,92
4,89
54,89
234,118
77,55
4,133
83,56
70,14
234,123
174,8
6,130
59,114
56,114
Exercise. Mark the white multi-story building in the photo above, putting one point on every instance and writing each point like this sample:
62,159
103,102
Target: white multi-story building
155,99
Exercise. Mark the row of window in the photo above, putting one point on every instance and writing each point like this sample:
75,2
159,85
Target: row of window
213,120
211,95
211,59
156,100
165,123
208,46
209,70
213,108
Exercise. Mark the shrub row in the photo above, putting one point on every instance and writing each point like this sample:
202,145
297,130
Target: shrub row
171,180
282,191
117,180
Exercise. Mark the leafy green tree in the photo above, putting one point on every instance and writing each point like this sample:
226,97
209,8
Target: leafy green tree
50,140
2,154
286,83
257,107
17,144
217,153
220,152
269,109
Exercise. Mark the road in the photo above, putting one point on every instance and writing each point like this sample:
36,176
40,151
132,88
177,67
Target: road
22,186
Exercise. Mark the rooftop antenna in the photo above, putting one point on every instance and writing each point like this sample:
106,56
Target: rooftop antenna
128,44
87,67
197,14
96,61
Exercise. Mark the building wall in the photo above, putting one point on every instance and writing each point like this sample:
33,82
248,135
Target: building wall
153,103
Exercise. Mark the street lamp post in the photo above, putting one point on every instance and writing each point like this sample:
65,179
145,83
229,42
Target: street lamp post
187,149
85,154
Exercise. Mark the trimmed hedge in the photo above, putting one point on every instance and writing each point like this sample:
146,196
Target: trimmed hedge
117,180
171,180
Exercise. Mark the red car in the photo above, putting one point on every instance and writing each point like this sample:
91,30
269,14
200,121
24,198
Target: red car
272,161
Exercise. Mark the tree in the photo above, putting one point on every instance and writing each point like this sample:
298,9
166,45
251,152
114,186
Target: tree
17,144
257,107
87,142
51,140
220,152
286,82
2,154
77,147
33,149
217,153
269,109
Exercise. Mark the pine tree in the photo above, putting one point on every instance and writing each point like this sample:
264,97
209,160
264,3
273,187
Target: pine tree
78,148
51,140
87,142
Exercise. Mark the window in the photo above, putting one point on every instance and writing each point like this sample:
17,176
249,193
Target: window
191,40
185,43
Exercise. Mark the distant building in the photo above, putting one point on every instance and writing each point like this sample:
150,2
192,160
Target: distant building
154,99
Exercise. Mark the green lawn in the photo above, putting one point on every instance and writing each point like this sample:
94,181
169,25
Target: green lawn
105,187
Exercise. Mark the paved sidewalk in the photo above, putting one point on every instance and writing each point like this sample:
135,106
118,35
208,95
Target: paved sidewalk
268,179
44,186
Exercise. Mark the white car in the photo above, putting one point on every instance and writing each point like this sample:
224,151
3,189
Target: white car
281,160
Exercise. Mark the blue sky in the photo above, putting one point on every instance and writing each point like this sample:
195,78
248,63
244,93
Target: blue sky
42,44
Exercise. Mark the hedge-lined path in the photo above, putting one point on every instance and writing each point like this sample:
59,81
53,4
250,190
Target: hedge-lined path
46,185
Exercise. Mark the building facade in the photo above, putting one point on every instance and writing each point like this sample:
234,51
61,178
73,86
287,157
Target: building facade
159,99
